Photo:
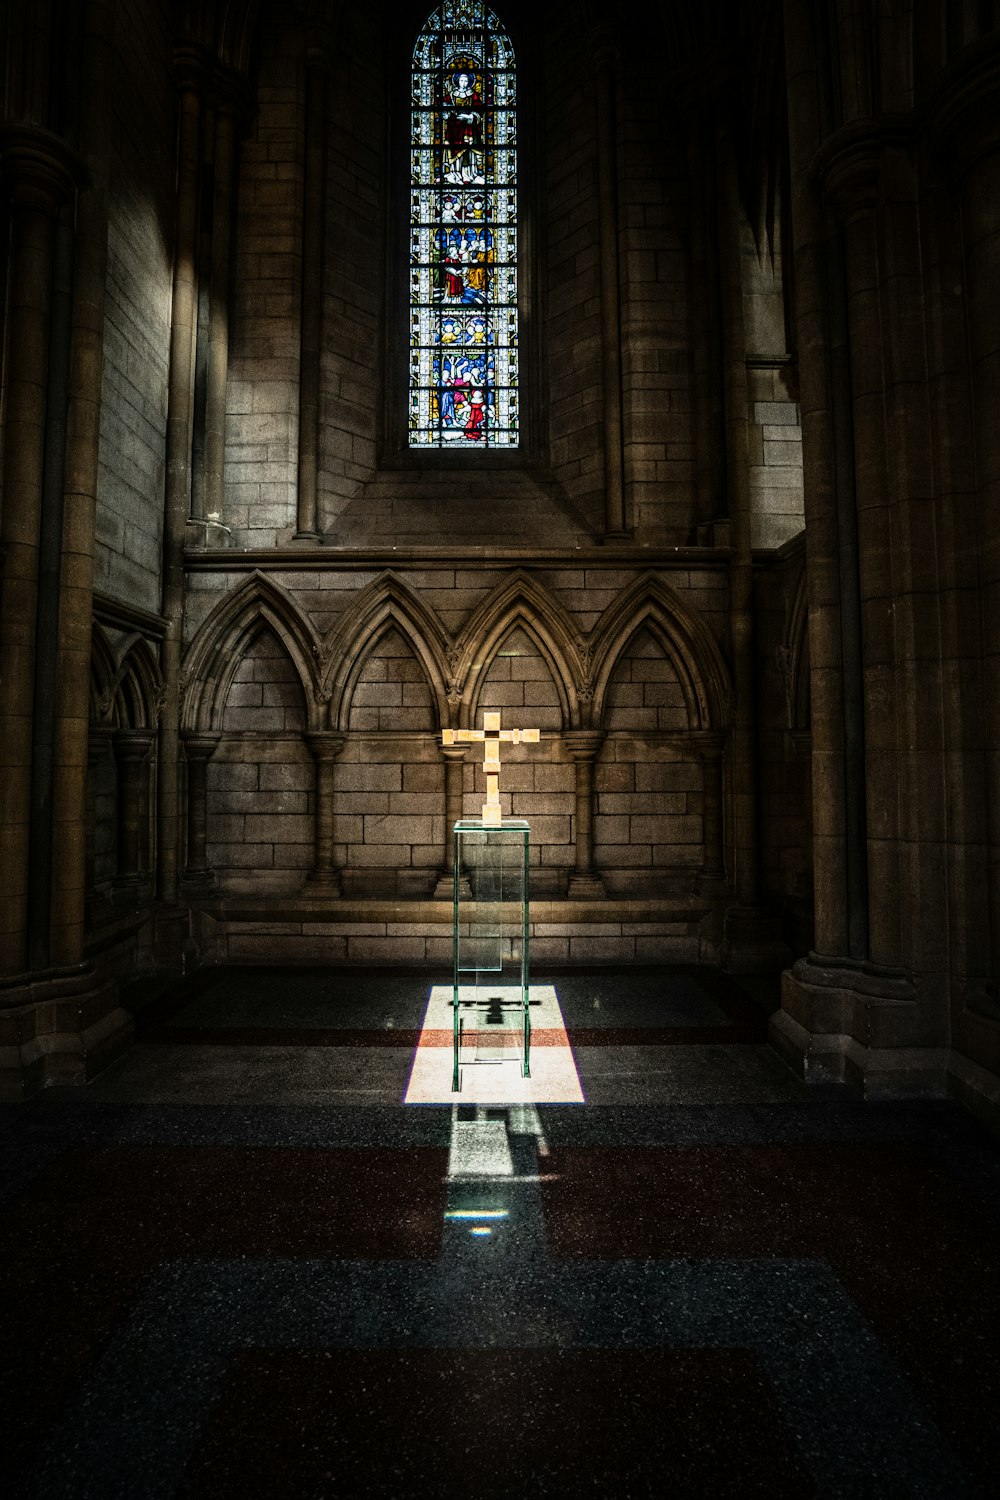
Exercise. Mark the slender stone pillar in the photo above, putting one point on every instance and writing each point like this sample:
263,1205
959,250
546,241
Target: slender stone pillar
583,745
219,316
97,750
454,787
198,751
313,212
131,747
325,749
190,71
37,172
606,62
710,745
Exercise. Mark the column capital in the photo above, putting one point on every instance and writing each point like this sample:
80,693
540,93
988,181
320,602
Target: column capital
198,746
583,744
133,744
39,167
847,168
193,67
98,741
453,752
325,745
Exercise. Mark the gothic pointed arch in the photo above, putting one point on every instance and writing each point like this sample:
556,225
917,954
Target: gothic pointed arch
651,604
387,602
103,669
215,653
125,682
140,684
518,601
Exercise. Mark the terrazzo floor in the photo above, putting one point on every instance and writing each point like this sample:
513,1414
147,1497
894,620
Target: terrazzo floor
237,1263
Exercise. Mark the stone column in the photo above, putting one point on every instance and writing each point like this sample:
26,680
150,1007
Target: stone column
606,64
752,939
454,788
37,170
97,749
325,749
198,751
131,747
583,745
190,75
710,745
313,213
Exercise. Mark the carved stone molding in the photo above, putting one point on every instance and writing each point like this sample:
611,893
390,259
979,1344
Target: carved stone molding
847,168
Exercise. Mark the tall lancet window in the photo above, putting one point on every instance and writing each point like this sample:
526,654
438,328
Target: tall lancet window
463,232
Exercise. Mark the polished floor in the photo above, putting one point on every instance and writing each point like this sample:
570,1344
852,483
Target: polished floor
238,1263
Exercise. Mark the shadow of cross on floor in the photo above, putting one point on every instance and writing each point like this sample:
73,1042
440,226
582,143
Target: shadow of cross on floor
494,1012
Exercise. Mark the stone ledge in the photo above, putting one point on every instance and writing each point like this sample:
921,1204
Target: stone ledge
544,913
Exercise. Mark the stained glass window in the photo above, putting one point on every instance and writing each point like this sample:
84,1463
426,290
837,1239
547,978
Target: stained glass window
463,232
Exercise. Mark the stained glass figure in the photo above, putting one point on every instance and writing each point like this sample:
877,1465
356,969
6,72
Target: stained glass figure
463,232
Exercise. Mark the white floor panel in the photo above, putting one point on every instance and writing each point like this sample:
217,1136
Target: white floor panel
554,1079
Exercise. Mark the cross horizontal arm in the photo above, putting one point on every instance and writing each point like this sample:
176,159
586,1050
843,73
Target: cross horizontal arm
461,736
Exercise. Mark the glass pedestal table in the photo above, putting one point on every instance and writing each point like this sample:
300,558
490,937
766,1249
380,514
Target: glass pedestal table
491,944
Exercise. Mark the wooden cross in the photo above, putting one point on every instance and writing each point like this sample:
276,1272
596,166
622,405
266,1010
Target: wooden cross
491,735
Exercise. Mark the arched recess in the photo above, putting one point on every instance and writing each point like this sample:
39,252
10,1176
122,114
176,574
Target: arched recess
519,601
214,655
125,682
386,602
141,684
649,603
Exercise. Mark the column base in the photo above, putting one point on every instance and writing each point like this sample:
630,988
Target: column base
323,883
445,888
752,942
850,1022
585,885
60,1026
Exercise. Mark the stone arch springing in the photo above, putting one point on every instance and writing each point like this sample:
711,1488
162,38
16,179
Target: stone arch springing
519,601
386,603
651,605
215,654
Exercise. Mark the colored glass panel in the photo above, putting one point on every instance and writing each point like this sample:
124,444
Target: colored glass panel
463,233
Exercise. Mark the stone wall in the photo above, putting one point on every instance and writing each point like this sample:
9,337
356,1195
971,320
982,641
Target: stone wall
518,640
262,392
137,310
